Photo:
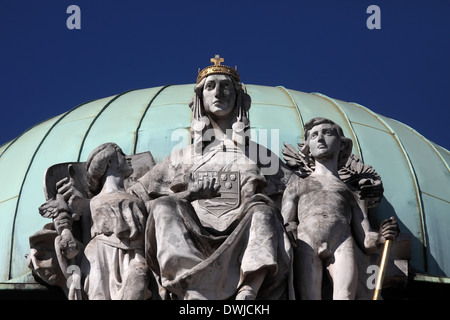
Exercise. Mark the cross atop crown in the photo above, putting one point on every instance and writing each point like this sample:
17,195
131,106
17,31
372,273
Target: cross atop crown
218,68
217,60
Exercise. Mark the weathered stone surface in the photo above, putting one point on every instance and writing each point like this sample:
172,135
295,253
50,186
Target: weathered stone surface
213,220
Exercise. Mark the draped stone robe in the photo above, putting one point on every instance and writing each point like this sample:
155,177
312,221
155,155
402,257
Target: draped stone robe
115,260
197,251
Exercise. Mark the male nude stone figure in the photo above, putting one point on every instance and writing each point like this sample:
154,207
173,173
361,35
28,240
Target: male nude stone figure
330,221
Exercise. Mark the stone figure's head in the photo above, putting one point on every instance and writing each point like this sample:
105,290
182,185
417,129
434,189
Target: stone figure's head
219,94
107,155
42,258
324,139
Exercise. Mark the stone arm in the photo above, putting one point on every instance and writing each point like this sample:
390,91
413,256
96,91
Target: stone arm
367,239
208,190
289,203
78,206
58,209
289,208
146,189
68,206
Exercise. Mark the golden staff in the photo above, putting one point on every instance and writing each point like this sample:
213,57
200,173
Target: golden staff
382,270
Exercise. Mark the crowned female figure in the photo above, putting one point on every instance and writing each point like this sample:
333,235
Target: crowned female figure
213,231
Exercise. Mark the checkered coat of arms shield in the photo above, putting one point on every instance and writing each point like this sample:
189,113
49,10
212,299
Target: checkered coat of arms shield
230,195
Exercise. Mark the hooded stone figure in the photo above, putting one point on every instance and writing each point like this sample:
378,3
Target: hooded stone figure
213,232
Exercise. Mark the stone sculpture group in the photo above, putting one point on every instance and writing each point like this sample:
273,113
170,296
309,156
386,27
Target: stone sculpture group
212,221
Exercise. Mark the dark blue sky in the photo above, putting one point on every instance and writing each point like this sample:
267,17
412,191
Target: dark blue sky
401,71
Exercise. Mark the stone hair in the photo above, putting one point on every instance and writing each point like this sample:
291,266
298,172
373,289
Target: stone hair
348,143
97,164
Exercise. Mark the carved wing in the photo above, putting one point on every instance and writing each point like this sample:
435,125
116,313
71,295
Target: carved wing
296,160
363,178
360,177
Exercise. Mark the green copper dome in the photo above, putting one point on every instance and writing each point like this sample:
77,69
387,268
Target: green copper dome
415,171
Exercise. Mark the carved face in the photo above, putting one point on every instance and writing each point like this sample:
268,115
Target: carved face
42,258
324,141
122,163
219,95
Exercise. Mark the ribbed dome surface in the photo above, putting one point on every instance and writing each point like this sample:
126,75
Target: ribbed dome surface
415,171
